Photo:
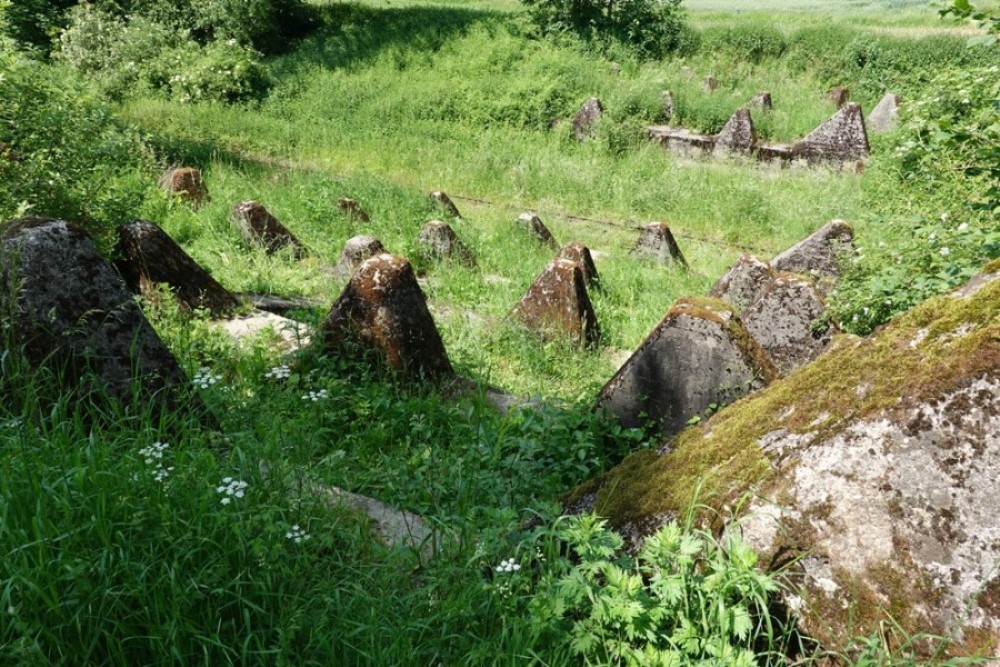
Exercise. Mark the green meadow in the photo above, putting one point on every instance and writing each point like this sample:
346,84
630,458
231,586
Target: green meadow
134,538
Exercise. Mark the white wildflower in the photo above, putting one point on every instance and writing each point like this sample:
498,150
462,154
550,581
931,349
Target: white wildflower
231,488
297,534
509,565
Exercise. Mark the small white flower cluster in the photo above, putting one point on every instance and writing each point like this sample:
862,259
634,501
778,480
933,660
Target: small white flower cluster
945,251
231,488
509,565
315,395
204,378
153,454
297,534
278,373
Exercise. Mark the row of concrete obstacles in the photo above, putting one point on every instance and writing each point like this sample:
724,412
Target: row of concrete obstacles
841,139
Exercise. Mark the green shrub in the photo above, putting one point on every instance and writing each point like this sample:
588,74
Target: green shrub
937,204
33,23
750,42
652,28
687,597
64,155
126,56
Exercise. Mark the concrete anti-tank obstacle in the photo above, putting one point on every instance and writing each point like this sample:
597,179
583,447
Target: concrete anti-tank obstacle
585,120
356,250
259,227
842,138
352,209
762,101
818,253
557,304
743,283
885,116
149,256
738,134
537,228
699,355
383,314
439,242
657,242
579,253
786,321
185,183
444,201
70,311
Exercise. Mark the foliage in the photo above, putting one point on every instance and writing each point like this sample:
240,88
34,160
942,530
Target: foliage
750,42
652,27
686,598
939,206
63,154
125,56
963,9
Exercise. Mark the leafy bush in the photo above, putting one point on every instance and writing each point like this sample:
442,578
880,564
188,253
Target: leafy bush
652,28
264,25
686,597
938,205
64,155
123,56
749,42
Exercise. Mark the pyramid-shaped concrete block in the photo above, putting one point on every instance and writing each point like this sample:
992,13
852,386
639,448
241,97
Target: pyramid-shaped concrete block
762,101
885,116
785,321
579,253
743,283
352,209
842,138
259,227
150,257
382,314
356,250
657,242
438,241
585,120
444,201
699,355
537,228
738,135
557,304
65,308
818,253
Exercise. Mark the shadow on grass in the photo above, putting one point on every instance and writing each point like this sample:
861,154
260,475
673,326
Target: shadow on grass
353,34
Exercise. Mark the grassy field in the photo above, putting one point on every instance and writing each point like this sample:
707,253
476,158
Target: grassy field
122,539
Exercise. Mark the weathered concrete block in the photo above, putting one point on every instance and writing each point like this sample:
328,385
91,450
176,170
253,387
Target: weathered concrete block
445,202
738,134
352,209
259,227
579,253
382,313
186,183
818,253
668,105
356,250
842,138
149,256
785,321
885,116
743,283
682,142
699,355
537,228
838,95
439,242
557,304
762,101
67,309
585,120
657,242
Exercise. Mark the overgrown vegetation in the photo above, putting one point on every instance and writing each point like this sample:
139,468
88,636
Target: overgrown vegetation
135,541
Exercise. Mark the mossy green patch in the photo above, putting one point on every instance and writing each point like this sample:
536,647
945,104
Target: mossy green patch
937,347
